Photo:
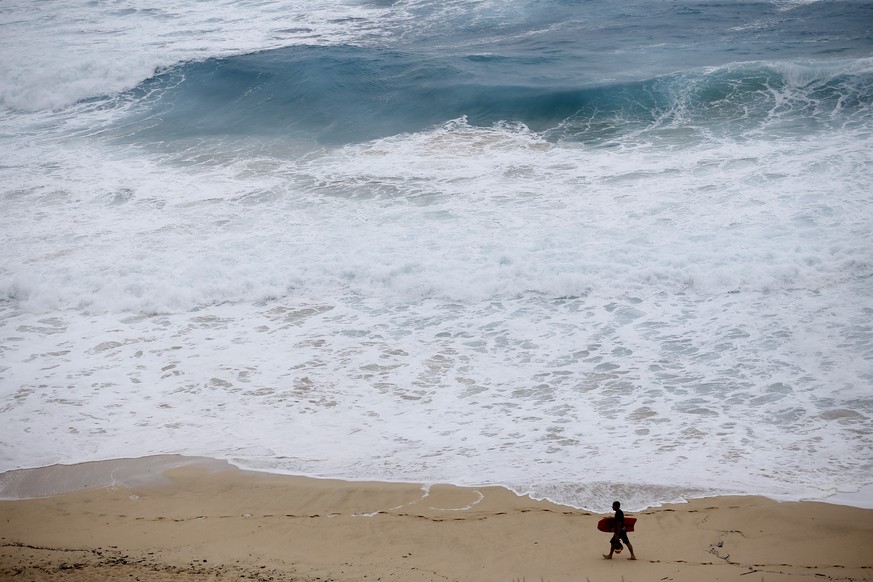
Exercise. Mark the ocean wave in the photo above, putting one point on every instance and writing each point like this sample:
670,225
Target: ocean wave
348,94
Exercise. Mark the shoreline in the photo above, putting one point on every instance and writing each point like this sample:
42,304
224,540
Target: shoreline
51,480
184,519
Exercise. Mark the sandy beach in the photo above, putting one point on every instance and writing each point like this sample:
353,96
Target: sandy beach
159,519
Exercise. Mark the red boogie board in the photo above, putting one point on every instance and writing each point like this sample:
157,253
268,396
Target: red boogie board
607,524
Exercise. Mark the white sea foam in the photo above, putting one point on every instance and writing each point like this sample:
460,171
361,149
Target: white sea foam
65,61
539,315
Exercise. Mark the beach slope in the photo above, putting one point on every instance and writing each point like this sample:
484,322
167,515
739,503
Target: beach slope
211,521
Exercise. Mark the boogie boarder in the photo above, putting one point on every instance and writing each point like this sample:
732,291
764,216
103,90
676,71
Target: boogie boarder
620,534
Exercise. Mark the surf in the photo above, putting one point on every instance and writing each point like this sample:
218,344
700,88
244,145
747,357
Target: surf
515,242
341,95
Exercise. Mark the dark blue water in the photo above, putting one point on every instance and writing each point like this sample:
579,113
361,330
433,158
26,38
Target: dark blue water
578,71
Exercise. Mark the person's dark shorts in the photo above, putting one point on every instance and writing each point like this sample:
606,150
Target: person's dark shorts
623,536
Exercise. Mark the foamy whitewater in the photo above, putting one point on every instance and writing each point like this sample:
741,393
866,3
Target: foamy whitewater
587,250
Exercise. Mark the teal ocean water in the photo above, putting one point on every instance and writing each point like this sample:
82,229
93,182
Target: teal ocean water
585,249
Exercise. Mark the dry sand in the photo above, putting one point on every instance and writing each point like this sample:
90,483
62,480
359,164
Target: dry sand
210,521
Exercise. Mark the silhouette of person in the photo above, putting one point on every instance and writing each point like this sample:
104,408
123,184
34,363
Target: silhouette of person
620,534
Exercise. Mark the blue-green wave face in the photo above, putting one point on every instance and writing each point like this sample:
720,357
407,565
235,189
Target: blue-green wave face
579,71
349,94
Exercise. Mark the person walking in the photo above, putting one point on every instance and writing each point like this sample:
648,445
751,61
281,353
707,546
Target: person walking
620,534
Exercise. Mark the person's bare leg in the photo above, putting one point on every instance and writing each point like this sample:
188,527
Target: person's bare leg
631,548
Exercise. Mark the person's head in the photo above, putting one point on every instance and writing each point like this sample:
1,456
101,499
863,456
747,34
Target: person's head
616,505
